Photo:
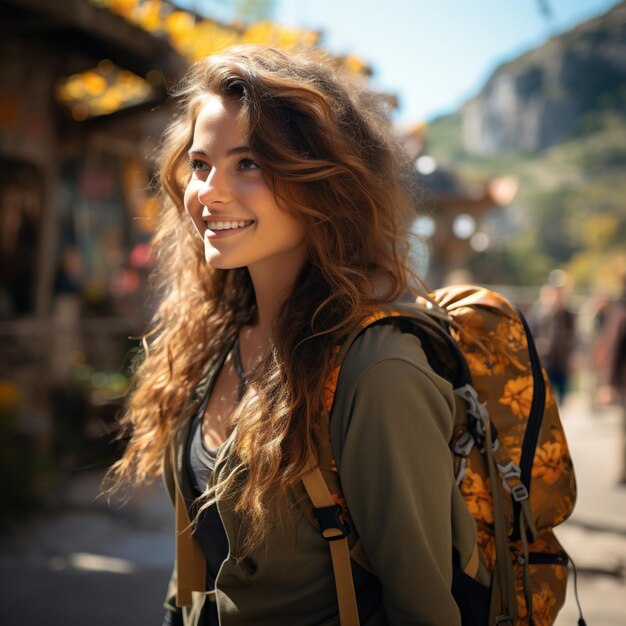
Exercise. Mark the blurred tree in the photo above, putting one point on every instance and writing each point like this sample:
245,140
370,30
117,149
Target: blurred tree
254,10
601,232
239,10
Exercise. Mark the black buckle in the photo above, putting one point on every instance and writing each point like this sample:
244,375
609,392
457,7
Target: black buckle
329,520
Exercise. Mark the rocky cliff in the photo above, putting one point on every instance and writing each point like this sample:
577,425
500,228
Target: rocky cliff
552,92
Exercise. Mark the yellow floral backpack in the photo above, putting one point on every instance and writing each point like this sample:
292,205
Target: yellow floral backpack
511,459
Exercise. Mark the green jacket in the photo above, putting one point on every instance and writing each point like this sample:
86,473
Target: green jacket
390,426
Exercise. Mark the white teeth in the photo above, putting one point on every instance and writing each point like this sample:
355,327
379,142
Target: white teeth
227,225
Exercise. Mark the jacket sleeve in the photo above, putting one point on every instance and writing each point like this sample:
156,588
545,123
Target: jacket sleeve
172,618
397,478
173,614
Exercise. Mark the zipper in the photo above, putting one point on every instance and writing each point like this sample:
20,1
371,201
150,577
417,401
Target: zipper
535,417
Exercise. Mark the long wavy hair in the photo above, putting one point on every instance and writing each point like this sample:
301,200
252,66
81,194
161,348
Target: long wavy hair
327,152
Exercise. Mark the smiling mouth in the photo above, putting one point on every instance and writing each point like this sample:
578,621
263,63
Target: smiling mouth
220,225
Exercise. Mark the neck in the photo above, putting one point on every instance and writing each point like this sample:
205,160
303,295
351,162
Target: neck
273,283
272,286
271,290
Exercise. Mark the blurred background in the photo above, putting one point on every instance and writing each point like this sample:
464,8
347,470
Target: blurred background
514,113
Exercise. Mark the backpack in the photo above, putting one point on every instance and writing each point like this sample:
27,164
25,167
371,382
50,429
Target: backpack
509,451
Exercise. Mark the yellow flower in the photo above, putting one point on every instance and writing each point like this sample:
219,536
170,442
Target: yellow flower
487,546
477,496
543,603
548,463
512,333
484,364
564,508
518,394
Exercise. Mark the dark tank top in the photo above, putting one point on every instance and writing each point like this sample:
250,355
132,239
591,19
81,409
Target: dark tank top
209,532
211,536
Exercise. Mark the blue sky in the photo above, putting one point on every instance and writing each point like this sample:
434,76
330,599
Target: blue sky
433,54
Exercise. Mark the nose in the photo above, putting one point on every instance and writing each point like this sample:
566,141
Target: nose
214,188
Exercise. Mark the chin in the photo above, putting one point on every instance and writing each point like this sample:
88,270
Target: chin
219,263
212,256
215,262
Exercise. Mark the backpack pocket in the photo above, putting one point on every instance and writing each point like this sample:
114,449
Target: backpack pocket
548,577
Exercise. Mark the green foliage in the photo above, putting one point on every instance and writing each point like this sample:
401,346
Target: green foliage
254,10
601,232
598,269
246,11
571,198
527,265
446,131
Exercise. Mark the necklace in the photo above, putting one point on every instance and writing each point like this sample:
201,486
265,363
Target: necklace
241,375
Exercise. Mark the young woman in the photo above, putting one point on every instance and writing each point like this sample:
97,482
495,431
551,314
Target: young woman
284,226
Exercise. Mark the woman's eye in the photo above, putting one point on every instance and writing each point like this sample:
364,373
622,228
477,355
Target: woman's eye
248,164
197,166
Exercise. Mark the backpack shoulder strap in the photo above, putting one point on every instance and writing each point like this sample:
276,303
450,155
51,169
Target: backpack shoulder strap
328,515
326,511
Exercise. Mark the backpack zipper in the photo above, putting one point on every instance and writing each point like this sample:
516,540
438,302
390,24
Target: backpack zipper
535,417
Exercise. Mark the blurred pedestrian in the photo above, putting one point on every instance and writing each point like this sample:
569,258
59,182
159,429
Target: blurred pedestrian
614,343
284,226
596,312
553,326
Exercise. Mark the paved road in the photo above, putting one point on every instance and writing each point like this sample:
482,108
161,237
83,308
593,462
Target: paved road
595,536
93,565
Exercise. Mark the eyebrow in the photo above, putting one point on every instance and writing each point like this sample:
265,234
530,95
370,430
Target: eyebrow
229,153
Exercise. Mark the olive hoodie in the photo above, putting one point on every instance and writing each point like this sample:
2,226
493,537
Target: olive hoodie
390,425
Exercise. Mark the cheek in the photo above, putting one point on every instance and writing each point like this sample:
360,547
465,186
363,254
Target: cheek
290,228
192,204
188,199
299,231
295,231
193,208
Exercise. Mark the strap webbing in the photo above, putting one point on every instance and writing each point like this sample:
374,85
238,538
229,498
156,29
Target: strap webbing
320,496
503,603
190,562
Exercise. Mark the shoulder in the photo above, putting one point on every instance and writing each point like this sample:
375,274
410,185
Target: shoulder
386,381
384,351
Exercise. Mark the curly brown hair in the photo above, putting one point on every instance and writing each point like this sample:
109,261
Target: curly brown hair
328,153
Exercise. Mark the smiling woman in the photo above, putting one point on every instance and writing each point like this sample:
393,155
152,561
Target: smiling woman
285,223
231,204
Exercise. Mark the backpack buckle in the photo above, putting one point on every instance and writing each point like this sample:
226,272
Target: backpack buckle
329,520
480,421
511,481
519,492
475,408
504,620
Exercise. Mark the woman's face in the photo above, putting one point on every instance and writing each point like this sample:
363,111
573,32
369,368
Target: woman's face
231,205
